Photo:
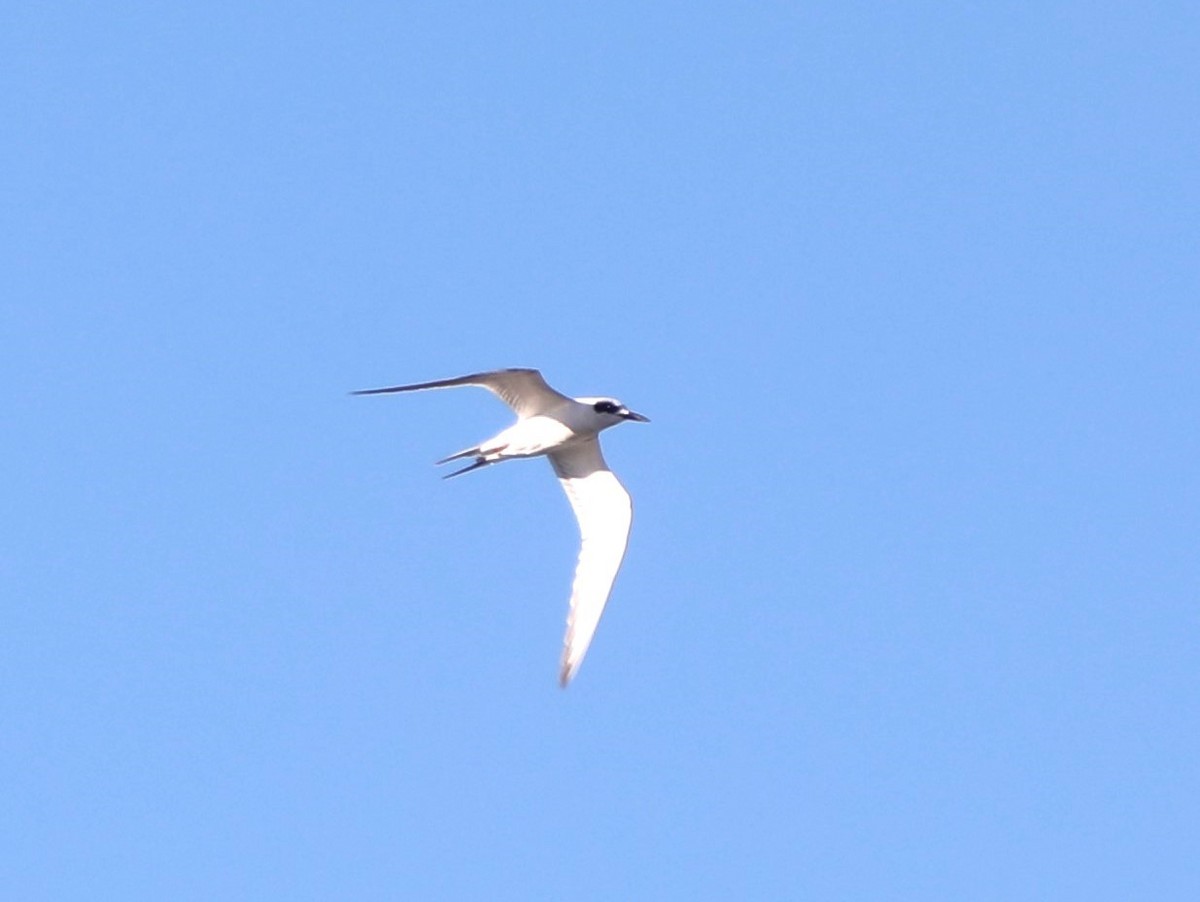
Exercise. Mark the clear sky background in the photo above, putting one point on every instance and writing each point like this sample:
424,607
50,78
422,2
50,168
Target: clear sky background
912,295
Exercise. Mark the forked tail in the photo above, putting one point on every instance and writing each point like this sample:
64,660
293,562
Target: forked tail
479,462
459,455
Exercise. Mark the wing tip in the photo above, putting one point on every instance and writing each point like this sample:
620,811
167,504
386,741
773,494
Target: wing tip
568,667
567,672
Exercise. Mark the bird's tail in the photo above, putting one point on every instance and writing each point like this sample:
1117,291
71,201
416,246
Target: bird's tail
468,452
479,462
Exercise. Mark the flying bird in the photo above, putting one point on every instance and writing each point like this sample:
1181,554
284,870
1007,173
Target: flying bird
566,430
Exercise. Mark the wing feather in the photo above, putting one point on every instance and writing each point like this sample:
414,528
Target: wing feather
524,390
605,512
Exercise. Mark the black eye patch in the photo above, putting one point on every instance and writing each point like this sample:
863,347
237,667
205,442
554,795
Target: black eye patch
605,407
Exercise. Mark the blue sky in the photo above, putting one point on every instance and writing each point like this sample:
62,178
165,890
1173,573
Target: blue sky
910,606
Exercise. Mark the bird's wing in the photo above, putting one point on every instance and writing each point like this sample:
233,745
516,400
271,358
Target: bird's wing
524,390
604,512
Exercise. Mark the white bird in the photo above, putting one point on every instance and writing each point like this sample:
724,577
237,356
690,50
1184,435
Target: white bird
566,430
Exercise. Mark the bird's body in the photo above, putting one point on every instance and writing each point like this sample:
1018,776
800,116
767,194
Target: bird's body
566,431
529,437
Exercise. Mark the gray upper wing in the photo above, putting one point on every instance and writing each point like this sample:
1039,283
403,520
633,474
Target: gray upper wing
524,390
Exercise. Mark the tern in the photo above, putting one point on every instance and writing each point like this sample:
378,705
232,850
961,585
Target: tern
566,430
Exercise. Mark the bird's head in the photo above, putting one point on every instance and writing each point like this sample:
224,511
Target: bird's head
611,411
